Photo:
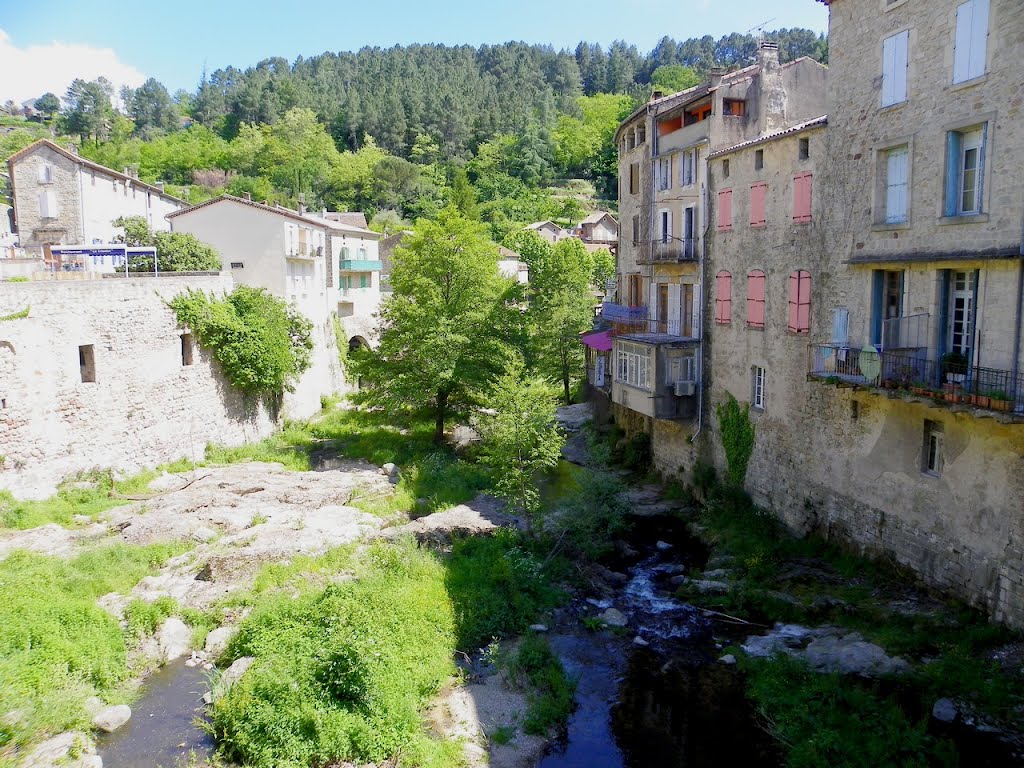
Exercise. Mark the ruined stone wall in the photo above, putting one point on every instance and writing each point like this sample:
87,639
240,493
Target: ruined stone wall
145,406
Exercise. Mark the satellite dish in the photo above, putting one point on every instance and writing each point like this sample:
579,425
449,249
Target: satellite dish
870,363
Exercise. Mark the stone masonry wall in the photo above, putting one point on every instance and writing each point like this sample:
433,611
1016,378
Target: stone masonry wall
144,408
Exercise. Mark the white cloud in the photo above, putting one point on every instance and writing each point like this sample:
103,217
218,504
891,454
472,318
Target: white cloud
32,71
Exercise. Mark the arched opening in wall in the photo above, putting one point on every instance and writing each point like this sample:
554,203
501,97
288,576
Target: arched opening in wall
355,344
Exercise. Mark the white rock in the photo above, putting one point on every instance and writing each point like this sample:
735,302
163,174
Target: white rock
54,752
388,469
94,704
109,719
640,641
231,676
218,640
203,534
945,711
728,659
613,617
663,545
174,639
539,627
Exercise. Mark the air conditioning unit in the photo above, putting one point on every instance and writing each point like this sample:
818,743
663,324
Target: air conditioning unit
685,388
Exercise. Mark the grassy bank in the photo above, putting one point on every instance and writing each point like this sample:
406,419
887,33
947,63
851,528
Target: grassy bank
57,646
844,721
345,672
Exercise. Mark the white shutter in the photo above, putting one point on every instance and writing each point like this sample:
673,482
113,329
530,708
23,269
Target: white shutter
962,49
673,309
696,310
979,39
888,70
840,326
48,208
896,187
902,57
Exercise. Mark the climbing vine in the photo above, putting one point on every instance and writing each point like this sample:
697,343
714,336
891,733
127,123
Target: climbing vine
737,437
261,343
21,314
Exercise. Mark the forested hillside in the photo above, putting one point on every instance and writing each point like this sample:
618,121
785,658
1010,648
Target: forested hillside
407,129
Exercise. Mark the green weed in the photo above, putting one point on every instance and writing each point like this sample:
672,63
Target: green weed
145,618
550,692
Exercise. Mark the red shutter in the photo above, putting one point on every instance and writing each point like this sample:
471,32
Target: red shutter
723,298
725,209
755,299
799,302
758,194
802,197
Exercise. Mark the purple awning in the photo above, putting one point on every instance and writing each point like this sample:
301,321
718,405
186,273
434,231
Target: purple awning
601,341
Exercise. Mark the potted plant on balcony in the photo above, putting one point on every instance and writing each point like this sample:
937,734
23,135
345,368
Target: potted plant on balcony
920,388
954,367
999,400
980,400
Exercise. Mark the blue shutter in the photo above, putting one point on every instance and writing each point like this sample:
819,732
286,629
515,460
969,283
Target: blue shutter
981,169
877,308
942,343
974,319
953,142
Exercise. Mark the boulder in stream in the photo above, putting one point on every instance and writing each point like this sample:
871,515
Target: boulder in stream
230,676
109,719
57,752
218,640
174,638
613,617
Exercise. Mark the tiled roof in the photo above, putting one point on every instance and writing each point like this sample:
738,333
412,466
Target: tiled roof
596,216
91,165
813,123
280,210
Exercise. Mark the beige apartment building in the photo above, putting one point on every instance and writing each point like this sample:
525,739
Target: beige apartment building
658,312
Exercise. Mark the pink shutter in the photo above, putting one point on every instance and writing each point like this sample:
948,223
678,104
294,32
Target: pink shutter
758,193
802,197
794,302
723,298
755,299
804,316
725,209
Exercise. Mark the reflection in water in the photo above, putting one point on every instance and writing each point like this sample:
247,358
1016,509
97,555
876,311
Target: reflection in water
672,716
163,731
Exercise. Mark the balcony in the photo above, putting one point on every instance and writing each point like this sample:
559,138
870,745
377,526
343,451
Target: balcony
357,265
912,376
684,137
670,250
638,322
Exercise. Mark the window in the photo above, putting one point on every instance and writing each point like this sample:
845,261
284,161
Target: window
362,281
896,185
886,303
840,326
799,302
689,232
682,369
87,363
962,288
724,210
932,453
758,197
345,253
186,349
635,293
894,68
758,159
697,114
755,299
633,365
48,208
723,298
971,40
665,226
641,134
664,173
757,393
805,149
634,178
45,173
725,169
238,265
802,197
636,230
965,170
734,107
688,168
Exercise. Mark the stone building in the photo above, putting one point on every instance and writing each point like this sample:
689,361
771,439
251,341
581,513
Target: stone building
61,198
98,374
325,267
909,441
658,311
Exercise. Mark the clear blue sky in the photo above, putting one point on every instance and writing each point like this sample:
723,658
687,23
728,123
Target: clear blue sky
172,39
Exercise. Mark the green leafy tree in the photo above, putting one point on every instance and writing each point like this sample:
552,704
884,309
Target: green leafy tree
562,306
445,328
175,251
388,222
672,78
152,109
604,267
48,105
522,438
87,108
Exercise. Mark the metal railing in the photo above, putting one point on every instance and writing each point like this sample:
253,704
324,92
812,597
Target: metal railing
675,249
910,371
909,332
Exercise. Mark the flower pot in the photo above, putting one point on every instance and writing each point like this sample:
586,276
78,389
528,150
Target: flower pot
980,401
1001,405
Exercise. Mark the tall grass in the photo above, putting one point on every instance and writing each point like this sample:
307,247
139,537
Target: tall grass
57,646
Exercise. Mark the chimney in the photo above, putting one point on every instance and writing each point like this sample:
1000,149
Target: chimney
323,213
160,186
302,209
715,74
247,196
768,54
656,95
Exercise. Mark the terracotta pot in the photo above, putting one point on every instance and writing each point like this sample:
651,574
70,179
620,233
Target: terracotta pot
981,401
1001,405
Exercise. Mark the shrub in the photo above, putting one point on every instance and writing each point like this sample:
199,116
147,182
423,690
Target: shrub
261,343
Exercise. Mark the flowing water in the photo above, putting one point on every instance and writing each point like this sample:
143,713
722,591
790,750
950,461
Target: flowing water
165,730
